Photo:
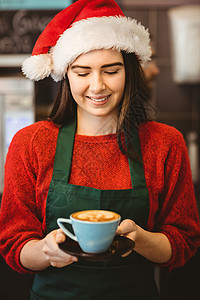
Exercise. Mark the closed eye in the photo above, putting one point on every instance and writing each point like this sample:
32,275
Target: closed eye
82,75
111,73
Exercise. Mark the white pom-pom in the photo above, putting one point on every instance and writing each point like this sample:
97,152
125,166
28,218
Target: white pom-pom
37,67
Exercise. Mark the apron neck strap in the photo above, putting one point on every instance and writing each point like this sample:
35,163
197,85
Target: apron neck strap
64,152
136,166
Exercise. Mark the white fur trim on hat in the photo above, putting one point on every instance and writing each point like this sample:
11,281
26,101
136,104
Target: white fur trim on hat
113,32
37,67
120,33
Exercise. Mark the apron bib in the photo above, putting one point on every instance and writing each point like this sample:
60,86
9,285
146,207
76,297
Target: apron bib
122,278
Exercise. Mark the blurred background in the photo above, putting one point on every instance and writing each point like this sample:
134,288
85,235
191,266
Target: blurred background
174,81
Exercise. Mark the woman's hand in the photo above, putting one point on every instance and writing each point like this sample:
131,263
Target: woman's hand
154,246
38,255
128,229
55,256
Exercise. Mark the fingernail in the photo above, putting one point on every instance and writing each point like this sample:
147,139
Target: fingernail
75,259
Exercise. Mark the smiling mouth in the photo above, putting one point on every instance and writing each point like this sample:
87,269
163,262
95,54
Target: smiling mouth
98,99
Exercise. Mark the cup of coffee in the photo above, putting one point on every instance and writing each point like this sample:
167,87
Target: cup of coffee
94,229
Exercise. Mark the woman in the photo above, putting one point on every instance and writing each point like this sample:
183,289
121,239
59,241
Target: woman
97,150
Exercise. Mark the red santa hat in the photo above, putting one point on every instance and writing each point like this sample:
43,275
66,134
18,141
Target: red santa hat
84,26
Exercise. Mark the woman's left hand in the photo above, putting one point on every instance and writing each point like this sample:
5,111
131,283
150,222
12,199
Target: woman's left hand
128,228
154,246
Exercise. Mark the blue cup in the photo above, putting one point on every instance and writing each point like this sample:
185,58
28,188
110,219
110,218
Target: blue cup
94,229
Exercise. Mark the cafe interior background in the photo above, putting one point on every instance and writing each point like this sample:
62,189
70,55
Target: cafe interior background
175,29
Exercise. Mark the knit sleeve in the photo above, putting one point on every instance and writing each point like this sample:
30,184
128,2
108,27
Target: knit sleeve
19,221
178,217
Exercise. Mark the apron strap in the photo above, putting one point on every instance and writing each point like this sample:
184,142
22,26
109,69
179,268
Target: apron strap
64,148
136,166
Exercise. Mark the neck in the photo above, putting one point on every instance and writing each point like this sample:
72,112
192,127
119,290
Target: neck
94,125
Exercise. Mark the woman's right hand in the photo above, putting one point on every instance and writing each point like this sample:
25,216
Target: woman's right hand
37,255
55,256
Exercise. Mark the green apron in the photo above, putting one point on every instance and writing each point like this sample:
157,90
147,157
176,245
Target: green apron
122,278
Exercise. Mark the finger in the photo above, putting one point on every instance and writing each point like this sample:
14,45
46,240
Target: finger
62,263
60,236
50,244
126,254
63,258
126,226
119,231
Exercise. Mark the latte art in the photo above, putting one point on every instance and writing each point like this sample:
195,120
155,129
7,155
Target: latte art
96,215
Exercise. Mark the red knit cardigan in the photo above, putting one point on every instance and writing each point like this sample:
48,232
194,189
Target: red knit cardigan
98,163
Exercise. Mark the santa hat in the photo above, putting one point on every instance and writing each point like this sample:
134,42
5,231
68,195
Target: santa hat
84,26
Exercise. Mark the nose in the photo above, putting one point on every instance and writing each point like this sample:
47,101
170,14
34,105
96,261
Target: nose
97,84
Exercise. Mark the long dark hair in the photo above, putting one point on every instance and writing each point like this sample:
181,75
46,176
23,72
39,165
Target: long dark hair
135,107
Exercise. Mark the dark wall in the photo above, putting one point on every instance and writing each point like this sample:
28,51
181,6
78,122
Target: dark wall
178,105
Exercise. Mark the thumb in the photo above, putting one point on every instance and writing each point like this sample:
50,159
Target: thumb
60,236
119,230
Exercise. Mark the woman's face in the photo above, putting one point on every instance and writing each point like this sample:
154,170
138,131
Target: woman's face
97,81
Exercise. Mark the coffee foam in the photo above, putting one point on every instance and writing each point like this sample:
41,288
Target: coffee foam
95,215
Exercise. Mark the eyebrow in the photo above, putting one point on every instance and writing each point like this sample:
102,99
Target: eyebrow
104,66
